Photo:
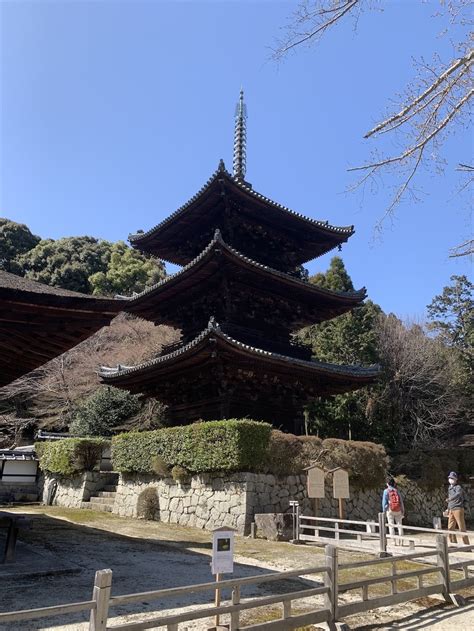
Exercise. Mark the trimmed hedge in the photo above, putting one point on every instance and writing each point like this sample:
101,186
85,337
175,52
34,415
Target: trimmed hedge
243,445
366,462
70,456
230,445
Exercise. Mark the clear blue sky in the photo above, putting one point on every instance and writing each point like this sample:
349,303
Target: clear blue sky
115,113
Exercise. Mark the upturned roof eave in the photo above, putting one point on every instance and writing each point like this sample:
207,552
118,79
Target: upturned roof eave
338,233
355,297
363,374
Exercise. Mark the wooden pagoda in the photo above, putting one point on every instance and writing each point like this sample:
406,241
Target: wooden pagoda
237,301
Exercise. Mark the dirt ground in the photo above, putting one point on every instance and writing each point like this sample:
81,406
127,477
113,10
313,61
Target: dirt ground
150,555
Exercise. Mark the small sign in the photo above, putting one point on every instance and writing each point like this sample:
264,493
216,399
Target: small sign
340,484
222,551
315,482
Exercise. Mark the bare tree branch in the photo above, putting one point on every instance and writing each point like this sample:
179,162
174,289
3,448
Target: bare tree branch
423,142
433,103
463,249
463,61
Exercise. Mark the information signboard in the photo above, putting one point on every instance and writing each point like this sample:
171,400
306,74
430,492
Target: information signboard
315,482
340,484
222,551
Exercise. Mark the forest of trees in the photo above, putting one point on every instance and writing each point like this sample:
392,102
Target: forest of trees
422,398
85,264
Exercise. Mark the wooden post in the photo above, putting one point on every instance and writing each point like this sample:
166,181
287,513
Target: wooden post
101,595
316,507
217,599
382,536
235,615
443,565
342,512
330,581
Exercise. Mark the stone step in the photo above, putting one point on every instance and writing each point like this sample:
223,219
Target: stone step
111,494
102,500
105,508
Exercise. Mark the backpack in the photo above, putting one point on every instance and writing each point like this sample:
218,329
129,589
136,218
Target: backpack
394,503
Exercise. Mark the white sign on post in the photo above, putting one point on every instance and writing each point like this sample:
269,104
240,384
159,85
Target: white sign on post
222,551
340,483
315,482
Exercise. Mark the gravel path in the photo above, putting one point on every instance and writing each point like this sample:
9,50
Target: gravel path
150,555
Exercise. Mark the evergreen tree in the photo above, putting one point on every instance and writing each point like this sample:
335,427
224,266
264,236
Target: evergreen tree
346,339
103,411
127,271
15,239
451,316
89,265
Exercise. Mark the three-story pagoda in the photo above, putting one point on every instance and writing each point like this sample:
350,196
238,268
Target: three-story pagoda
237,300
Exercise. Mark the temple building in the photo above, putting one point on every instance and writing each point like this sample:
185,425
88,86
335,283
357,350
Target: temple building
237,300
39,322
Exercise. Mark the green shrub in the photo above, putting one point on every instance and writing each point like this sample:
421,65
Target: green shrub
284,454
104,410
70,455
230,445
148,504
159,466
180,474
367,463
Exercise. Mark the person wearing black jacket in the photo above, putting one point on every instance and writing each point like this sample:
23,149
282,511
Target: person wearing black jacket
456,503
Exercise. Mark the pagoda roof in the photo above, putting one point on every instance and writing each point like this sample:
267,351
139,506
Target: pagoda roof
39,322
213,342
314,237
329,303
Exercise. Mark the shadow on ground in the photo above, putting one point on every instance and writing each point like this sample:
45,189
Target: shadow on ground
138,565
442,617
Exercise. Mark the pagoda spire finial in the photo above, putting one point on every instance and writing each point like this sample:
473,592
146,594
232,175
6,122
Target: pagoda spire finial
240,139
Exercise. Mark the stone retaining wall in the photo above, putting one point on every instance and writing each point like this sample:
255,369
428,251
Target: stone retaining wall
206,501
17,492
212,500
72,491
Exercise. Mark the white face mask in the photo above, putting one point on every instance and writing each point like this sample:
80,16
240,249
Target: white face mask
452,481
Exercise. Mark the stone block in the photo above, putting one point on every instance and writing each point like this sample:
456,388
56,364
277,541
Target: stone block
274,526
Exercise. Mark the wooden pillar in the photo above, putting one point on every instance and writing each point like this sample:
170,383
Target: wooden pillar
101,595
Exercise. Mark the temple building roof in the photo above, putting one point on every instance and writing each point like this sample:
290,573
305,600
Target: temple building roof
310,303
225,193
215,344
39,322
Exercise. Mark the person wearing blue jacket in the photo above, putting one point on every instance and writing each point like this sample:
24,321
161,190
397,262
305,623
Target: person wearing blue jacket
392,504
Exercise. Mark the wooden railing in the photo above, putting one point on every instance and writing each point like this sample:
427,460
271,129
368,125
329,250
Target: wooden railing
448,577
345,532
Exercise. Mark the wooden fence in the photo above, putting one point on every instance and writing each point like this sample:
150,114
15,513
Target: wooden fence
445,578
351,532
